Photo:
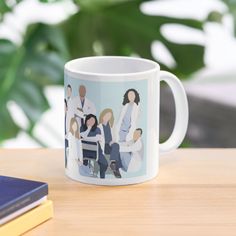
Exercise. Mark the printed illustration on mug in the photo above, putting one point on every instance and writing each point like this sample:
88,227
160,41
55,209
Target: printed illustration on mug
98,144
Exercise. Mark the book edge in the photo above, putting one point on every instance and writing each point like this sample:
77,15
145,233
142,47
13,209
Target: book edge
29,220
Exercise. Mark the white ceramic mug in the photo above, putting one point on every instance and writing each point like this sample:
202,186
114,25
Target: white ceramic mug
112,119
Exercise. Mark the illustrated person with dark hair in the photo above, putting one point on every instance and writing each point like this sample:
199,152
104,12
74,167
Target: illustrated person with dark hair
91,134
83,105
128,118
131,152
75,149
109,146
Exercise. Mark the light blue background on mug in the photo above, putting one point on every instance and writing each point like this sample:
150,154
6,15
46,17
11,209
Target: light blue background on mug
110,95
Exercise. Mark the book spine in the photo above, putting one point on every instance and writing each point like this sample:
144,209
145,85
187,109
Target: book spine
29,220
25,200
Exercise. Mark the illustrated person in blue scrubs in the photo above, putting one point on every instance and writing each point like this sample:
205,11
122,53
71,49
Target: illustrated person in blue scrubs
91,134
127,122
83,105
108,145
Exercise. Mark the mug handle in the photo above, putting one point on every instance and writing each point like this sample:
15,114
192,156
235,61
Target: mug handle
181,111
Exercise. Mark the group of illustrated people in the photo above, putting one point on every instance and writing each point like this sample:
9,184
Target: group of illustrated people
98,145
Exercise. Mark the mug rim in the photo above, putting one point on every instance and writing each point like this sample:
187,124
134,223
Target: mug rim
155,66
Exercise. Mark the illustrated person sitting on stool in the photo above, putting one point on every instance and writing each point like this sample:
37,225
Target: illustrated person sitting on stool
109,147
91,134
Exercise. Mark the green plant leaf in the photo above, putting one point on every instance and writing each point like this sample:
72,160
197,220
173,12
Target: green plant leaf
4,8
101,27
232,10
7,6
8,128
91,5
25,70
122,29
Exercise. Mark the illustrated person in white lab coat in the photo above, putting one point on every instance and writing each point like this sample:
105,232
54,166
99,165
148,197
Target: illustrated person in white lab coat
75,156
131,153
108,145
69,114
83,106
127,122
70,108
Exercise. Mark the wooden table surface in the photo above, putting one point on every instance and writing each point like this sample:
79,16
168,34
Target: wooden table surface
194,194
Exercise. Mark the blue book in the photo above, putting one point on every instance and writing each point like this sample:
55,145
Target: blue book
16,194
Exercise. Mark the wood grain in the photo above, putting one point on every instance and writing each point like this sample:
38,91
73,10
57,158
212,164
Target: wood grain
194,194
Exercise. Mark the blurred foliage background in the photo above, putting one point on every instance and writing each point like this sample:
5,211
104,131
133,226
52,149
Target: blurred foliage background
96,27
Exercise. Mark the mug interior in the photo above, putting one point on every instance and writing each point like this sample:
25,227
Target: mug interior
111,65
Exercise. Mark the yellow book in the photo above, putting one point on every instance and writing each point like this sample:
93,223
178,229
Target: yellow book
28,220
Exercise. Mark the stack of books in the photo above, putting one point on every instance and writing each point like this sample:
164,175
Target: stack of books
23,205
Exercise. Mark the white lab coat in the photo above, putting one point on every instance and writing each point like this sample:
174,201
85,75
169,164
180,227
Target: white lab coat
136,149
89,108
75,154
134,118
70,113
